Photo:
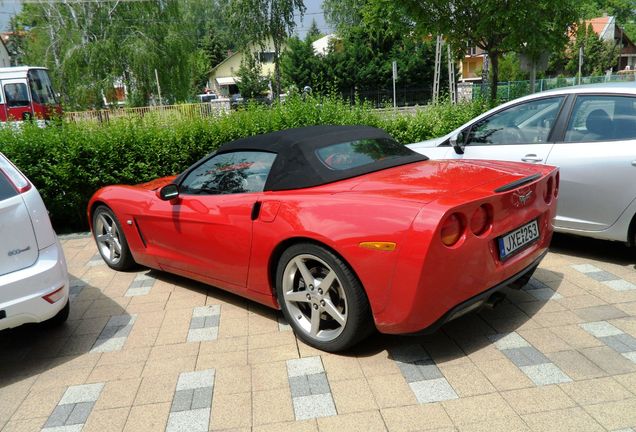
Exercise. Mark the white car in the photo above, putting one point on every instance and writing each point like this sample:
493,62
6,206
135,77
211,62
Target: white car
34,283
587,131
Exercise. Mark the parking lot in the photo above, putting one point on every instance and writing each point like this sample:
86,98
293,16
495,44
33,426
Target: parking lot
147,351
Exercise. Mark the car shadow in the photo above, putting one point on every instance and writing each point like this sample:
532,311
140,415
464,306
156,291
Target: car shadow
37,349
589,248
471,333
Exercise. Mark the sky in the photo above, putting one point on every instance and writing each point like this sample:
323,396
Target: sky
8,8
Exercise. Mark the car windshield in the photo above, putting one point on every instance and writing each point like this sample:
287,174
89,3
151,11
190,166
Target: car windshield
353,154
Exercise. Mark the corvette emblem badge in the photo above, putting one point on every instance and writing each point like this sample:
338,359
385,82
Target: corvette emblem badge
521,198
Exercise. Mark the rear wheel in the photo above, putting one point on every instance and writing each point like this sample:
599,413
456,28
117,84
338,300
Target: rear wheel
110,239
321,298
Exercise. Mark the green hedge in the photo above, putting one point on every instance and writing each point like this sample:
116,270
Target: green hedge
68,162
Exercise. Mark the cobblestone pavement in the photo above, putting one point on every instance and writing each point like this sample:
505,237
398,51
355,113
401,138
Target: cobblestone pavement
147,351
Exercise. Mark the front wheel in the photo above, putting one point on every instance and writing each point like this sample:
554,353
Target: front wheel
110,239
321,298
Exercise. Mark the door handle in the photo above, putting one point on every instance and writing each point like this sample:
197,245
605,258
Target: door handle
531,158
634,163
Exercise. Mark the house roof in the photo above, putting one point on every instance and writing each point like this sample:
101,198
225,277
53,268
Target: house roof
603,26
321,46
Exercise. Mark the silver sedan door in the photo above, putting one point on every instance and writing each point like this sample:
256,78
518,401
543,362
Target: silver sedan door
598,162
518,133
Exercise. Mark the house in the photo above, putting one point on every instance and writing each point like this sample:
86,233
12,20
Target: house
223,78
608,30
605,27
471,66
321,46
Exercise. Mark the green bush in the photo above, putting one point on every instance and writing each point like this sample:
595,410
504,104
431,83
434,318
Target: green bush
68,162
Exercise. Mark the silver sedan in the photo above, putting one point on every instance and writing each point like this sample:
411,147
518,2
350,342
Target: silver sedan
587,131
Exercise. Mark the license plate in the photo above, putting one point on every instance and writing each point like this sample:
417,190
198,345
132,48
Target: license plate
518,239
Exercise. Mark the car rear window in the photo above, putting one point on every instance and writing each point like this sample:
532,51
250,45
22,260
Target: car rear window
353,154
6,189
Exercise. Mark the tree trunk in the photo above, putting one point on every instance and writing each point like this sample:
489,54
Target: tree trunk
494,64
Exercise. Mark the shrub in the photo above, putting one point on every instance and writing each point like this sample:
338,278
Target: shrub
68,162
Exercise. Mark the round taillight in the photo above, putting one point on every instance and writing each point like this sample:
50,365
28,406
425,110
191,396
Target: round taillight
549,190
480,222
452,229
556,184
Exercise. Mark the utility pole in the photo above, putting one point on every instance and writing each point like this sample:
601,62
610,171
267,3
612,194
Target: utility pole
580,62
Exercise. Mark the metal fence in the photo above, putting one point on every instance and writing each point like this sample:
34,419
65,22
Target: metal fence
509,90
159,113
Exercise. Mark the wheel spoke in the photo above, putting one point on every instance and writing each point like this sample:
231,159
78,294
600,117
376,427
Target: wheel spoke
331,310
112,252
117,246
102,238
315,322
105,225
296,296
304,271
326,283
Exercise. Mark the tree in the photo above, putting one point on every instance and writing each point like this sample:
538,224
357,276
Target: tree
90,45
251,84
598,55
260,21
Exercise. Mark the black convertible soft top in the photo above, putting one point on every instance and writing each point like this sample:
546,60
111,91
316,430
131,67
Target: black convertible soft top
297,164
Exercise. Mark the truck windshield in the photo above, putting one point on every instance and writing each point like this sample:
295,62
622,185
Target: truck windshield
41,88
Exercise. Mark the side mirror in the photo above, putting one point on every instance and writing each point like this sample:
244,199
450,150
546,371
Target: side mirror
168,192
457,141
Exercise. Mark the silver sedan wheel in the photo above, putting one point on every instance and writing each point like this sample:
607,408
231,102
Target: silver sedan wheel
107,237
314,297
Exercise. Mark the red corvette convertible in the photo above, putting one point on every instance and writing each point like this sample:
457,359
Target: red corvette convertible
341,227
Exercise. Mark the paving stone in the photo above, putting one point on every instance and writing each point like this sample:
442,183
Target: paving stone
409,353
189,421
435,390
109,345
82,393
508,341
600,313
203,334
601,329
80,413
212,321
525,356
623,343
202,398
70,428
121,320
602,276
318,384
545,294
299,386
135,292
194,380
197,322
544,374
308,407
423,370
586,268
609,360
205,311
620,285
141,283
182,400
304,366
630,356
59,415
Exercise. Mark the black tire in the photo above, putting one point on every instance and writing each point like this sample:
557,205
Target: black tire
60,318
345,293
110,237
